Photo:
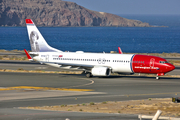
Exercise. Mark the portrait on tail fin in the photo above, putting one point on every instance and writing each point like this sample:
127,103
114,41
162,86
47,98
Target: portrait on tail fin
34,41
37,41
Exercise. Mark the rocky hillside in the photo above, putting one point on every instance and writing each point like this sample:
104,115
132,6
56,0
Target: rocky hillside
58,13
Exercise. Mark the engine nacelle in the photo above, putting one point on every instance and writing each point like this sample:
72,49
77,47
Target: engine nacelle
101,71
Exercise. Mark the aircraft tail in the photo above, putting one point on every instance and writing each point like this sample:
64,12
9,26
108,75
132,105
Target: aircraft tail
37,42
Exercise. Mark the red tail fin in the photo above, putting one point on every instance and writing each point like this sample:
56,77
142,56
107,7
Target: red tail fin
29,21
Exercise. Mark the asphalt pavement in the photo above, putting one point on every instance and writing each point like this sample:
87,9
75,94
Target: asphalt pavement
99,89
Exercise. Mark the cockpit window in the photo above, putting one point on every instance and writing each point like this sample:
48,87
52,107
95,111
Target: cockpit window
163,62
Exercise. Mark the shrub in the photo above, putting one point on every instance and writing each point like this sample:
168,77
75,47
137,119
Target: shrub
104,102
91,103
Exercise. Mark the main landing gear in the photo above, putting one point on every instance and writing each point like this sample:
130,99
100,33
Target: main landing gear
88,75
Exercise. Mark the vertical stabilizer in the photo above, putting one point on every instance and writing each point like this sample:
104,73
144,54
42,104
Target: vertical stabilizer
37,42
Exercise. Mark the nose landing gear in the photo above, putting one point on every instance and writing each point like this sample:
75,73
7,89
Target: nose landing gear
157,78
159,74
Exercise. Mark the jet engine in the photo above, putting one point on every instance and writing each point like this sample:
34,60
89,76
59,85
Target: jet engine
101,71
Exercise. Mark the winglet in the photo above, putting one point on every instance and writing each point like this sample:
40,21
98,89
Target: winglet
28,56
120,51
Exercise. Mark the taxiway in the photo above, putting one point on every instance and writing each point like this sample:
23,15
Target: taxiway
114,88
40,89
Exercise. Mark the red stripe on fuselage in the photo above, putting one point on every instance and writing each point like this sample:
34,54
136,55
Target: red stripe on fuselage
150,64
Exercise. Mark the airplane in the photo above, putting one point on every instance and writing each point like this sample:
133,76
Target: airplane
93,64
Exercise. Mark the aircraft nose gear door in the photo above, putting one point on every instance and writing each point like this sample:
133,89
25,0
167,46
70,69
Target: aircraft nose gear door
47,58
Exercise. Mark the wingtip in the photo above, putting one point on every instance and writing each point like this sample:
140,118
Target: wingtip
120,51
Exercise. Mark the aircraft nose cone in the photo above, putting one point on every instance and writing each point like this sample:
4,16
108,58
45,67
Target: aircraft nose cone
171,67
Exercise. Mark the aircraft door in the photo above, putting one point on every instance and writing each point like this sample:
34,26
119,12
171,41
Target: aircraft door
151,64
47,58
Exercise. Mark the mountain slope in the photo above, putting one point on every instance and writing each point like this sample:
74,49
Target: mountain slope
58,13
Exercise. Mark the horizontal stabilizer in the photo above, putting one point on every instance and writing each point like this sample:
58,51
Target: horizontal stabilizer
28,56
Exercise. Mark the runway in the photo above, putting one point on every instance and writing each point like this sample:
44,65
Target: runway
114,88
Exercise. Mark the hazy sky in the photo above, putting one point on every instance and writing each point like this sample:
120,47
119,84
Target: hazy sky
132,6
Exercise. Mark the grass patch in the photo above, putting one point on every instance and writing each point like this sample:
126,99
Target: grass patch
20,69
105,102
83,104
92,103
62,105
174,62
125,107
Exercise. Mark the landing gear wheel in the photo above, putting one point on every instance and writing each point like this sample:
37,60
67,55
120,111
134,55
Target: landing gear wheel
157,78
89,75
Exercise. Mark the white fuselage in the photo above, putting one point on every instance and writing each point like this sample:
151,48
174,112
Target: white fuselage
117,62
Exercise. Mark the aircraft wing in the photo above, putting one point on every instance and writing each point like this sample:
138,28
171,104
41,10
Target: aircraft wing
72,66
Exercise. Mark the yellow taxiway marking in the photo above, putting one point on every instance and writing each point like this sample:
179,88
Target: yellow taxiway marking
42,88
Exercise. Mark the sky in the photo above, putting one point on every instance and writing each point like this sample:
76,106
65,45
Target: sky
164,7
